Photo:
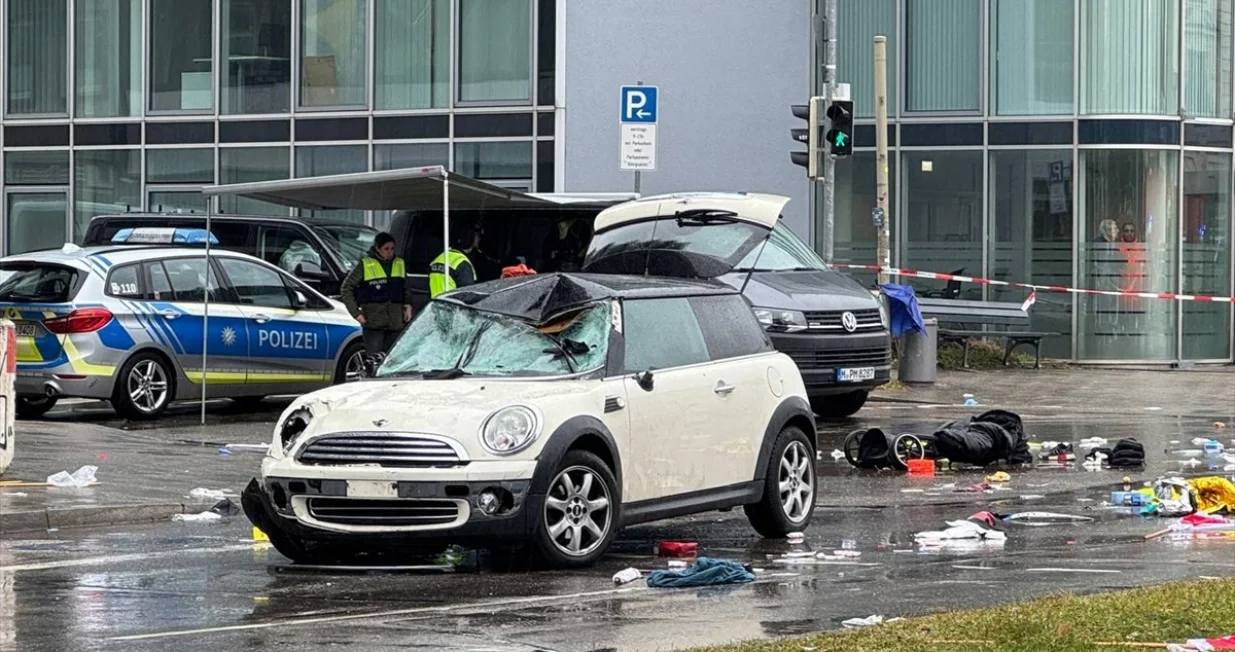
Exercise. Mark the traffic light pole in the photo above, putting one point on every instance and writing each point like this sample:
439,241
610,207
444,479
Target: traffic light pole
829,162
881,155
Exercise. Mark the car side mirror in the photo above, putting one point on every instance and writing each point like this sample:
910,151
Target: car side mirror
299,300
645,380
310,272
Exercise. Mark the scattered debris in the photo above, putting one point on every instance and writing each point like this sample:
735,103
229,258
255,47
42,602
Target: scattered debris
869,621
82,477
838,455
961,530
202,493
706,571
981,487
795,537
921,467
1093,442
1126,453
1046,518
203,517
677,548
225,507
999,476
626,576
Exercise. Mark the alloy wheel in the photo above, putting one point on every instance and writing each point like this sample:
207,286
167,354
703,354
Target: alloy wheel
355,368
147,386
796,481
578,511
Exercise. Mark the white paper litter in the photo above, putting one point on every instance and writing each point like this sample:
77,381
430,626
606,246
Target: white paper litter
838,455
961,530
1093,442
83,477
204,517
869,621
202,493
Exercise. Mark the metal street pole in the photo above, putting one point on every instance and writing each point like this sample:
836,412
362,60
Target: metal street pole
638,174
881,155
829,161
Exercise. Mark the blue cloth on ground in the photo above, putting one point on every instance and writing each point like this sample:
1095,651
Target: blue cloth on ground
903,308
704,572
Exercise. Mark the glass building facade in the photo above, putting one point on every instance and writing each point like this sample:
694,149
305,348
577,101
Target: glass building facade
126,105
1078,143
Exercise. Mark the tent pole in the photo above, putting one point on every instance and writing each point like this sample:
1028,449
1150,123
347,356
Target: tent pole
214,203
446,219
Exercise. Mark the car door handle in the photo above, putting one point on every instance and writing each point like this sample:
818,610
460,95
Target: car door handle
260,318
724,389
169,314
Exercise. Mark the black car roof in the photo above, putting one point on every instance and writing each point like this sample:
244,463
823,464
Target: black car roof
541,297
229,217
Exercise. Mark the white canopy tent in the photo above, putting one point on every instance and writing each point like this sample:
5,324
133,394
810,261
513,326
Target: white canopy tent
411,189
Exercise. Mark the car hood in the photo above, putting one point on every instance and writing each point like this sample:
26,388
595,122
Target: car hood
805,290
451,408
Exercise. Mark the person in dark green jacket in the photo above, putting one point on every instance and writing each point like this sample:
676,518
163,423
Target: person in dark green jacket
377,294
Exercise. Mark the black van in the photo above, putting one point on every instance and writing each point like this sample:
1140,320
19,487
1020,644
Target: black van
319,253
833,328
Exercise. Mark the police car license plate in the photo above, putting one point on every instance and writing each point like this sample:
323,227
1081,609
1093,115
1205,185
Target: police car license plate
372,489
25,330
854,375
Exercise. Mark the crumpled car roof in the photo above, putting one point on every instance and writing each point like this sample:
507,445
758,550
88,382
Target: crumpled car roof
543,297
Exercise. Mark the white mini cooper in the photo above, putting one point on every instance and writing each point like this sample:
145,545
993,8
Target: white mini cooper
545,412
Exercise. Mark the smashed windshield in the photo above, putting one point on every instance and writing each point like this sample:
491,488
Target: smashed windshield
447,340
350,243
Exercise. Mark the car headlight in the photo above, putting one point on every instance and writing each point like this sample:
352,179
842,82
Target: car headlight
293,426
510,429
781,321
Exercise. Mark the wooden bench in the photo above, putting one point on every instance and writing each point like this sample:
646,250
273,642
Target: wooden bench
965,313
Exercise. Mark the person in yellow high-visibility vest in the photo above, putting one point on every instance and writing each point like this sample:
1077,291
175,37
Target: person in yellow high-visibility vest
377,294
451,272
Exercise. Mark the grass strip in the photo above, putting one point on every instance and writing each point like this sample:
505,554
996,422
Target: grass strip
1146,618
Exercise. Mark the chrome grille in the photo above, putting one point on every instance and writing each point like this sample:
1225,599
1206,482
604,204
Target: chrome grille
868,320
841,359
404,450
387,513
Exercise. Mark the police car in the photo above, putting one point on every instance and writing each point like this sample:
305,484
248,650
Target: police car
127,323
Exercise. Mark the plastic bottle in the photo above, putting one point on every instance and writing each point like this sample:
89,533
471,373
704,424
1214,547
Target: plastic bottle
626,576
1213,447
1130,499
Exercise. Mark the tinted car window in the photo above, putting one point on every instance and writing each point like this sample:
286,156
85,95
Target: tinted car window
729,327
23,282
256,285
160,286
123,282
673,247
783,252
286,247
662,333
188,279
349,243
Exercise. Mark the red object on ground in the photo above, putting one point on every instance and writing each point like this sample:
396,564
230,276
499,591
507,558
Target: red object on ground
921,467
984,517
678,548
1224,643
517,270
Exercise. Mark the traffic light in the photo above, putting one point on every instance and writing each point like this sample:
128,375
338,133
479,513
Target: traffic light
812,113
840,135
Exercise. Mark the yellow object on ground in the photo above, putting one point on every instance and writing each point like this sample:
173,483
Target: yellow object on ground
1213,494
258,535
999,476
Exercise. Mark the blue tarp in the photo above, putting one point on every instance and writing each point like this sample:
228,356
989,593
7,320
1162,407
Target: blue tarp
903,306
704,572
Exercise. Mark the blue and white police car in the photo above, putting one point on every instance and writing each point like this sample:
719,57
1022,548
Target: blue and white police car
128,323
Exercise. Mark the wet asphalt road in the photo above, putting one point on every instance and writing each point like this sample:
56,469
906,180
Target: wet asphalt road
208,587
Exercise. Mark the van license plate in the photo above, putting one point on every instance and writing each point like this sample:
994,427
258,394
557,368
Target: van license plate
25,330
372,489
853,375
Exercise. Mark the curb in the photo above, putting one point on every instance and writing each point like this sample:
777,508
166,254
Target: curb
42,520
875,398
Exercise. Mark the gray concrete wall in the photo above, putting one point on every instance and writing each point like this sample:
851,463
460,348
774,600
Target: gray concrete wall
728,70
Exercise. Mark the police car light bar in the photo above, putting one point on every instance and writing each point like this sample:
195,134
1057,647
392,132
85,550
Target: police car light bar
163,235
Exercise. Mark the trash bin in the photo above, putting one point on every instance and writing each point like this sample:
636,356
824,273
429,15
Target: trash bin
920,353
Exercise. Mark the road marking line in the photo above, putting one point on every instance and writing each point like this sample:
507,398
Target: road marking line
1071,570
94,561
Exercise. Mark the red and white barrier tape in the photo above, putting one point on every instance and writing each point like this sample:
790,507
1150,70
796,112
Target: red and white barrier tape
1170,296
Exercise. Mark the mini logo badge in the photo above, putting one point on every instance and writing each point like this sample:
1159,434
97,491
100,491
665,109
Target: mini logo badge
379,422
849,321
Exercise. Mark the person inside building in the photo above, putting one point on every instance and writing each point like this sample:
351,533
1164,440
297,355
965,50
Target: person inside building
456,271
377,295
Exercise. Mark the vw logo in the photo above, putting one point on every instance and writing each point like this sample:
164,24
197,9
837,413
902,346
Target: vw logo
849,321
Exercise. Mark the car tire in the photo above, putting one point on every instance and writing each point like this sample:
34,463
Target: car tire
839,406
573,500
789,488
34,407
160,381
351,363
